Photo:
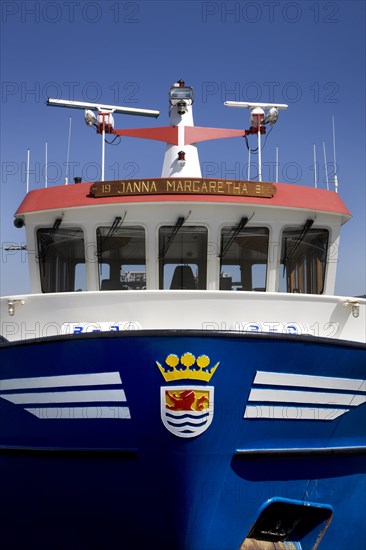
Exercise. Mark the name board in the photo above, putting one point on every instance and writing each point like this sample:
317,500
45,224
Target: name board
176,186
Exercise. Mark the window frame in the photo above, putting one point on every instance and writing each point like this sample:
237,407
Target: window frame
160,265
298,228
124,226
268,230
42,278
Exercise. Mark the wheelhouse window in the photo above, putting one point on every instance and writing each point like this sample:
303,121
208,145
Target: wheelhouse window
61,258
182,257
303,260
243,257
121,257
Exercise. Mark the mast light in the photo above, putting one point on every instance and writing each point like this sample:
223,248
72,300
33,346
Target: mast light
181,158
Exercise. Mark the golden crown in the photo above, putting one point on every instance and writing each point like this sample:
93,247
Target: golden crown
187,367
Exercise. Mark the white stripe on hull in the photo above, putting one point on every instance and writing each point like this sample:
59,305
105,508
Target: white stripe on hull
94,379
295,389
81,413
83,396
261,412
308,397
307,381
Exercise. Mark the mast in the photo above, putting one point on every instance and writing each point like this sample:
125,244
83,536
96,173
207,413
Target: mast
181,137
181,160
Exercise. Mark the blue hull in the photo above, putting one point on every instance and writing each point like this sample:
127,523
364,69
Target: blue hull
118,463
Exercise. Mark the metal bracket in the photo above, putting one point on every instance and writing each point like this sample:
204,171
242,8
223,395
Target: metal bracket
355,305
11,306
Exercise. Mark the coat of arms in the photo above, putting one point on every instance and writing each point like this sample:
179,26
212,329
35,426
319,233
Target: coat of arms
187,411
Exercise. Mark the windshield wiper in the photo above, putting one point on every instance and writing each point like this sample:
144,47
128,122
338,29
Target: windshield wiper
113,228
235,232
46,245
178,224
298,241
102,240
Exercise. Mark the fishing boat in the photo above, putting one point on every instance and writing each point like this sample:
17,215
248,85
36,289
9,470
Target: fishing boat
181,375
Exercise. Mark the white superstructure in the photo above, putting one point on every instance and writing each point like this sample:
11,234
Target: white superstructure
181,251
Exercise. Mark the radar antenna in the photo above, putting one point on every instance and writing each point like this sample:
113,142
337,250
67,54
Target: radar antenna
258,119
104,121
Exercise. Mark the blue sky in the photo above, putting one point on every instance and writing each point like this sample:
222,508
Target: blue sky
308,54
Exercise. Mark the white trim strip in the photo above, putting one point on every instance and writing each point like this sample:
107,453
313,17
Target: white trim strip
261,412
81,413
83,396
93,379
288,396
307,381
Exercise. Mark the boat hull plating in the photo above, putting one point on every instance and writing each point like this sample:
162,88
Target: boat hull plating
99,450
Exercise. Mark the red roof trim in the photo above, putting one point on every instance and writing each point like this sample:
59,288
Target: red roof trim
77,195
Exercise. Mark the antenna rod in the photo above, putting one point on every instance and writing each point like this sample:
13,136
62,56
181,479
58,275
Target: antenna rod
46,167
259,152
27,171
103,145
68,154
315,172
335,160
326,166
276,163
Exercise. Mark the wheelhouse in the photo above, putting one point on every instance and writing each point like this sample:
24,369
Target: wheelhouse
120,258
190,244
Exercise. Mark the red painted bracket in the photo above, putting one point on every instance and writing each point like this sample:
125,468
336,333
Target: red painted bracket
169,134
192,134
195,134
